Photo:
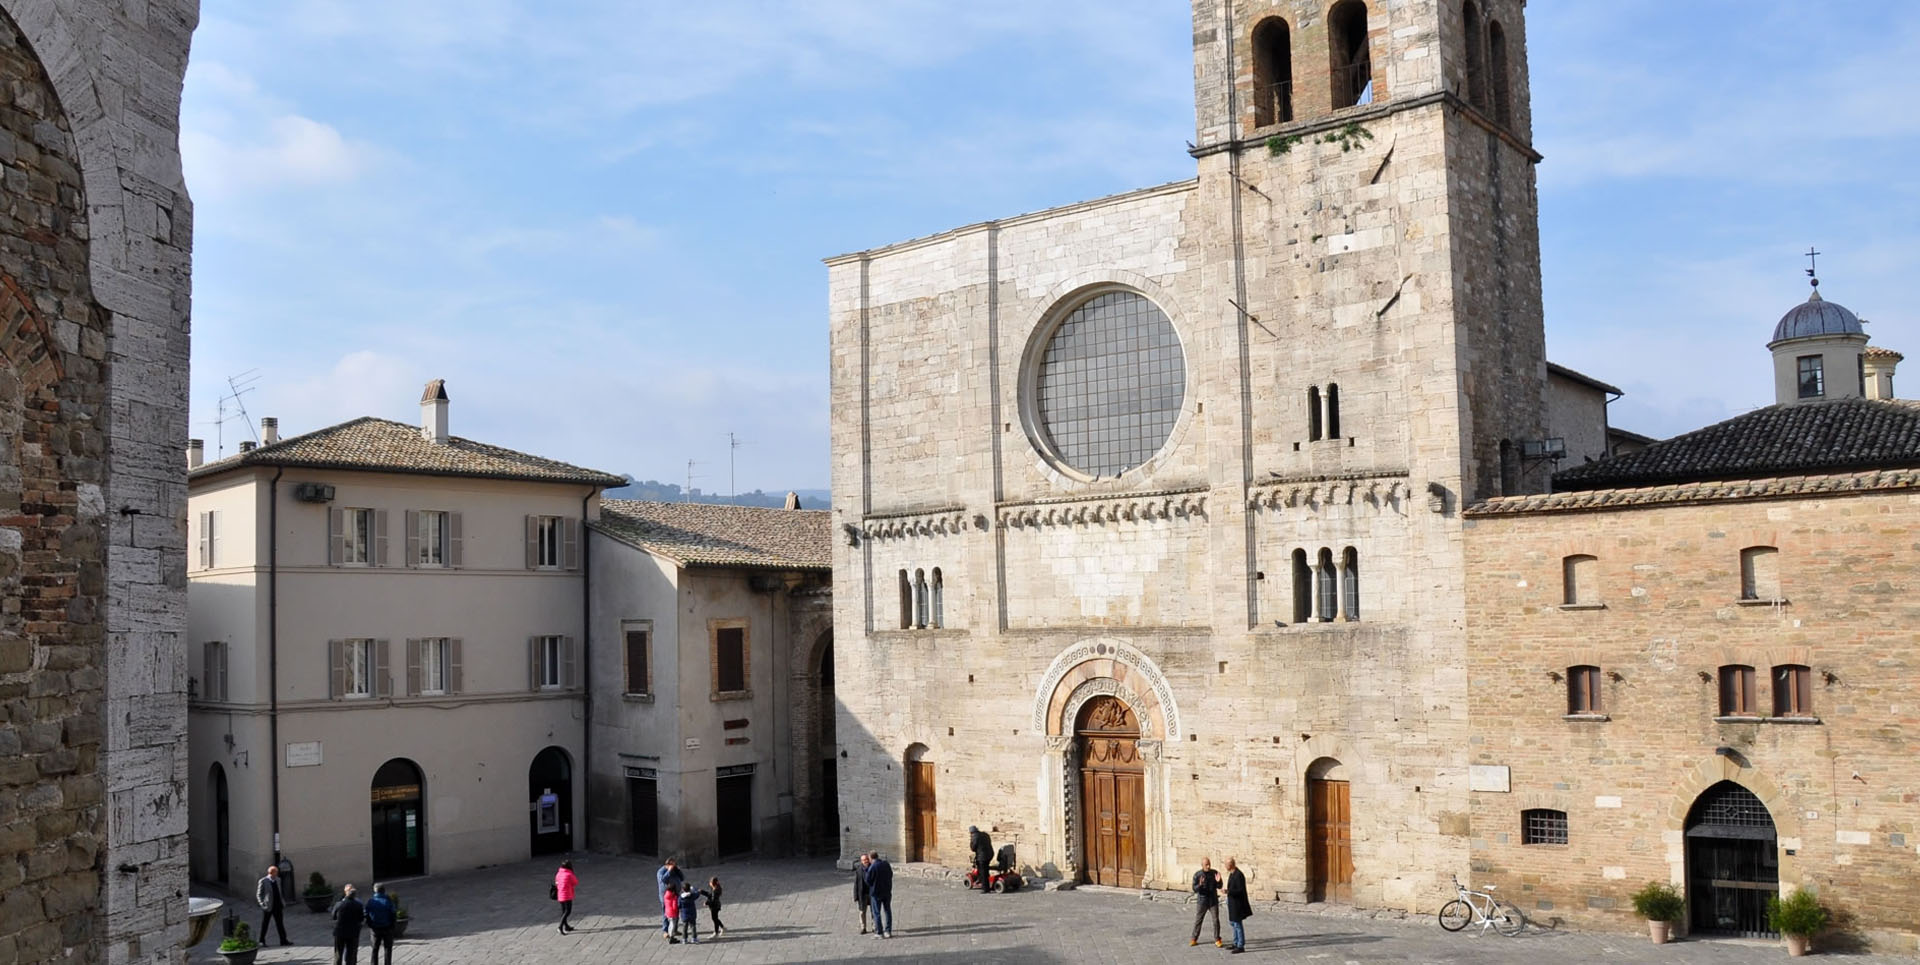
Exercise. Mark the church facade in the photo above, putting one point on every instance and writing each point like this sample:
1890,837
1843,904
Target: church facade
1149,541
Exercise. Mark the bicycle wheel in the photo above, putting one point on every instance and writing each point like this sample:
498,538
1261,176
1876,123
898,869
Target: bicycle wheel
1455,914
1508,919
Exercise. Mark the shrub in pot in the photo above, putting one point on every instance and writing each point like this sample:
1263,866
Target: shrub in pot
1661,906
319,894
239,948
401,916
1797,917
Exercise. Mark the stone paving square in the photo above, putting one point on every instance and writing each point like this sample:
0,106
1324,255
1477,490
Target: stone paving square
802,911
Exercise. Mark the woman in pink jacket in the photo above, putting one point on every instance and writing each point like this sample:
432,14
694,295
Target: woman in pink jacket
563,884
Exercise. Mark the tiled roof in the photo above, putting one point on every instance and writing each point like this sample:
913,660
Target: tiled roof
1814,438
1700,492
705,534
1882,352
380,445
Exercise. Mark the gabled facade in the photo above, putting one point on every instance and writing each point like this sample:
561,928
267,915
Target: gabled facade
386,624
713,684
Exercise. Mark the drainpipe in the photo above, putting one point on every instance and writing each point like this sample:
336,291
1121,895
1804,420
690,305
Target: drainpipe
273,648
586,668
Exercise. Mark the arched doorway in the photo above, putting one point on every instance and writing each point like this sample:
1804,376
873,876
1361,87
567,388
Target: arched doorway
1329,832
923,824
1113,793
217,781
550,802
826,830
399,820
1733,863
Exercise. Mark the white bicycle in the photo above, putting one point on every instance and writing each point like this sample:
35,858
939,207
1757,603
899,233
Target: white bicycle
1483,909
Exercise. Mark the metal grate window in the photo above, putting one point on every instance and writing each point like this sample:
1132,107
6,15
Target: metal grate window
1731,806
1111,383
1543,826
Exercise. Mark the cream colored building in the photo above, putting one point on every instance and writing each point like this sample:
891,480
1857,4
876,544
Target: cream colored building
712,681
386,624
1148,541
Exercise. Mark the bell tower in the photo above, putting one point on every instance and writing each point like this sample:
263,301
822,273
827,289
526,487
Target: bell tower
1374,160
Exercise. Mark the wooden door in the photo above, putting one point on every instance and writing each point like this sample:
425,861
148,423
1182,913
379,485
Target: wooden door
1113,801
922,825
1329,841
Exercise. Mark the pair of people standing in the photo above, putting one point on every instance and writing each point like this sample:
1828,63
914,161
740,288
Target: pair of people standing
349,915
1207,886
873,888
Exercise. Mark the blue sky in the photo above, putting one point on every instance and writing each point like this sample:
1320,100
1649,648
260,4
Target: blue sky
602,221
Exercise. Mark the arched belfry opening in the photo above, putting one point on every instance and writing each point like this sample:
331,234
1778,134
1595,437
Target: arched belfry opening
1473,49
1498,70
1352,62
1272,72
1113,798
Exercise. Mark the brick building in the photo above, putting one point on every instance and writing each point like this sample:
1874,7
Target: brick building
1148,508
95,234
1694,663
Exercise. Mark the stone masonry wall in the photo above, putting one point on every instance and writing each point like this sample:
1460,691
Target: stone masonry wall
1841,792
94,236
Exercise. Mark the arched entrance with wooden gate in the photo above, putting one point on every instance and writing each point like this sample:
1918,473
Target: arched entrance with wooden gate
1329,832
1113,793
1733,863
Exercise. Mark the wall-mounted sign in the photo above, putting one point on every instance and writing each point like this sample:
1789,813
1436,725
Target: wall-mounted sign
693,743
735,770
646,773
397,792
303,754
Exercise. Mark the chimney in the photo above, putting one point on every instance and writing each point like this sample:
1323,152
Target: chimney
269,430
1876,370
433,412
247,445
196,453
793,500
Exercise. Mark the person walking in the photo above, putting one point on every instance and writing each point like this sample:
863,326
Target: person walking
713,906
381,913
273,904
1206,884
670,879
564,881
880,893
690,913
348,916
1239,909
861,894
982,846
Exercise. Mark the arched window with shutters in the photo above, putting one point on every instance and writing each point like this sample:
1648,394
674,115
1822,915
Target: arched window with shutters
1350,584
1313,413
1474,56
1272,72
1329,582
1497,68
1352,62
1302,588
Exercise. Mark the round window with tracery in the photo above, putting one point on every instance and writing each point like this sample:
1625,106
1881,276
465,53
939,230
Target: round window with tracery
1110,383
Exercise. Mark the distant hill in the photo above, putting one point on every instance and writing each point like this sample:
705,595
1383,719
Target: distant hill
672,493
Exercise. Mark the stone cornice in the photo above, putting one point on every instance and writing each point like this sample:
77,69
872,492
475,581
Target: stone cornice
947,521
1114,510
1375,488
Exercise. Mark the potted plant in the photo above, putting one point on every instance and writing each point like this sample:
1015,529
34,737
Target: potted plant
239,948
1661,906
319,894
400,915
1797,918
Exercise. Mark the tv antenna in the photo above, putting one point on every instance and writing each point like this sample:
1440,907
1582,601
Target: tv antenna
686,495
237,387
733,446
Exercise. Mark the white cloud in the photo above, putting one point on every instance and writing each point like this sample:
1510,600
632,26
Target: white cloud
236,138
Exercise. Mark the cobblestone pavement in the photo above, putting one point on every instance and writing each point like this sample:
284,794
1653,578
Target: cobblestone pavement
802,911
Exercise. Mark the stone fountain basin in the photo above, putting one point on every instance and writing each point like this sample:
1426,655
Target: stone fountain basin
201,913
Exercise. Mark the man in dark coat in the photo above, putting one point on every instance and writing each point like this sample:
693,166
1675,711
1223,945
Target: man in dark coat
860,892
348,916
1206,884
1239,909
880,892
669,877
982,846
273,904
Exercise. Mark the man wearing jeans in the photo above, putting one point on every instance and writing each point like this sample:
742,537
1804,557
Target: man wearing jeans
880,892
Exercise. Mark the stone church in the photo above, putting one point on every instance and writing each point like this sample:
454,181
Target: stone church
1148,510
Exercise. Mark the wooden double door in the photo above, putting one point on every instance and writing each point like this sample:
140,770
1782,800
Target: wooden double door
1113,795
1329,841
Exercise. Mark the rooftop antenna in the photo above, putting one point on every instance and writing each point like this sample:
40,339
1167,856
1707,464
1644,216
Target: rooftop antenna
686,495
237,386
733,445
1813,266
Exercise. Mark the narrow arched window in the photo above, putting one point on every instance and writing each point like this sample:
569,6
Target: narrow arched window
1327,588
920,601
1583,690
906,601
1792,691
1760,573
1350,584
1509,469
1272,73
939,617
1302,588
1313,413
1580,580
1475,58
1333,411
1736,691
1352,64
1502,89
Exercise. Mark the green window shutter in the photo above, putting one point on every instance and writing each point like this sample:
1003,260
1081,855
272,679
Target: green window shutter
337,667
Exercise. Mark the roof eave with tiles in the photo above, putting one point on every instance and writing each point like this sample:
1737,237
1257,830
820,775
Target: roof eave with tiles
369,444
711,535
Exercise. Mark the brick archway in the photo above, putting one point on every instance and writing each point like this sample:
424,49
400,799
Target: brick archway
1704,775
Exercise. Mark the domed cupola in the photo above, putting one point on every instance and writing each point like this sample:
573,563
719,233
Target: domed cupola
1817,352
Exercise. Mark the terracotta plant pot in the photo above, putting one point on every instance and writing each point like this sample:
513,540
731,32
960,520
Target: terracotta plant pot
1797,945
1659,931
